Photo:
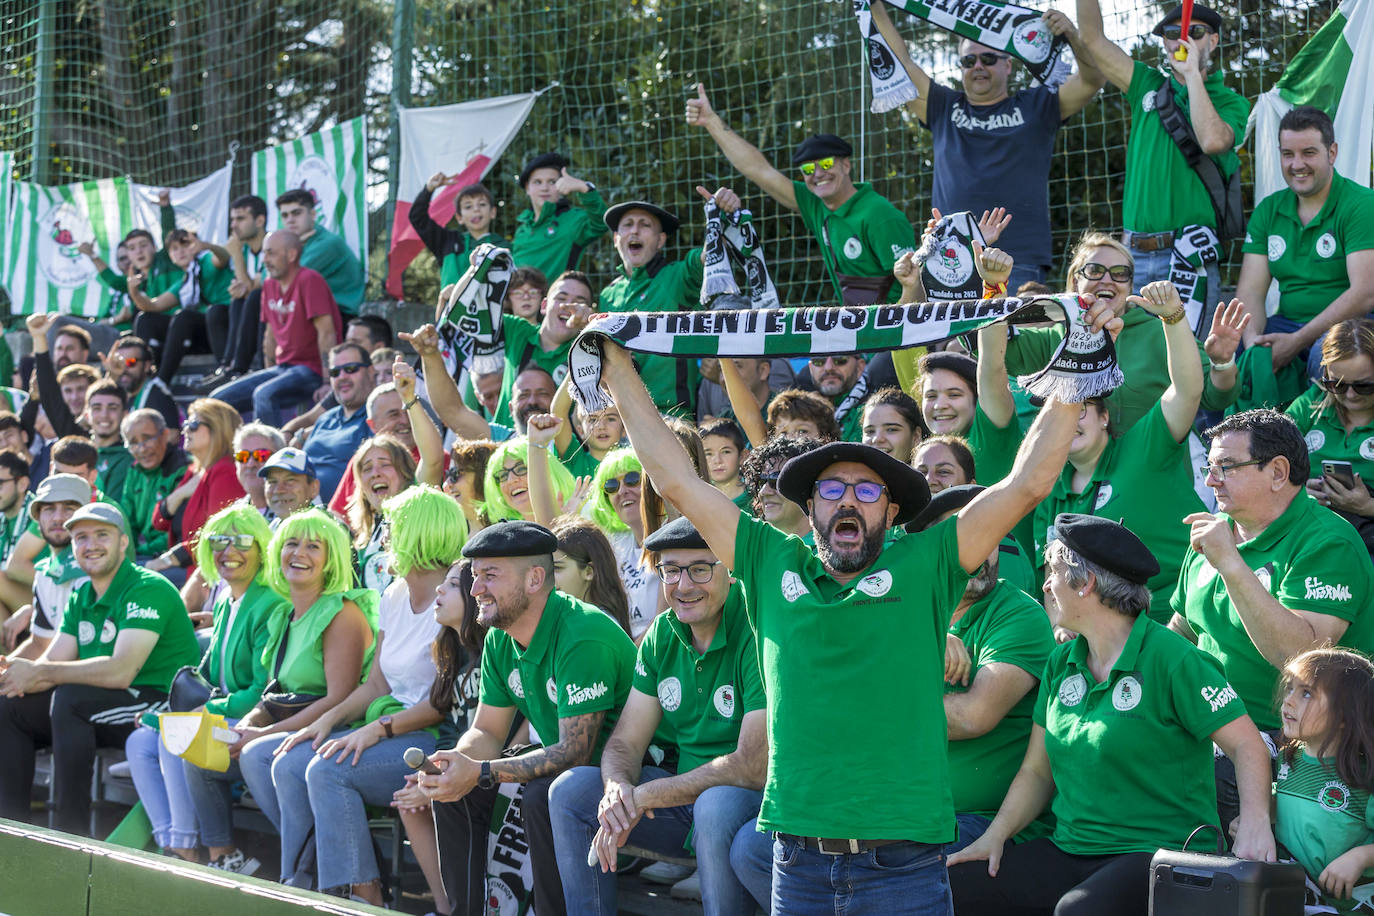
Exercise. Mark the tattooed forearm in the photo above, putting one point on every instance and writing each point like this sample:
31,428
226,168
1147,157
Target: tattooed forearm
576,741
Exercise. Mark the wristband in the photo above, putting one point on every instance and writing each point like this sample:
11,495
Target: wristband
413,401
1176,317
994,290
543,445
1222,367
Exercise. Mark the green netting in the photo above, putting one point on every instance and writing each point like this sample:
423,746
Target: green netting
159,89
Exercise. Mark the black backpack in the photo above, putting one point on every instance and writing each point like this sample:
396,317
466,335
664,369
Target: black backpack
1224,192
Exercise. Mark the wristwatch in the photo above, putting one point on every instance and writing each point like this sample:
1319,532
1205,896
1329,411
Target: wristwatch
386,726
486,780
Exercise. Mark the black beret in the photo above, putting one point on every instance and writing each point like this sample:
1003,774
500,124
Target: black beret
820,146
1109,544
905,486
1203,14
679,534
556,161
949,499
511,539
614,215
961,364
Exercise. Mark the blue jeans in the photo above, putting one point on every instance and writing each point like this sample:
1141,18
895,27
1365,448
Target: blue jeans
1279,324
971,827
338,794
288,811
751,859
161,782
713,821
211,795
270,390
909,879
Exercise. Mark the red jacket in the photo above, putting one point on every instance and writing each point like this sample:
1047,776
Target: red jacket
218,488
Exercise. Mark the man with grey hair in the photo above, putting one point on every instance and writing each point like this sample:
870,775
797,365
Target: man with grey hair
157,469
339,432
124,635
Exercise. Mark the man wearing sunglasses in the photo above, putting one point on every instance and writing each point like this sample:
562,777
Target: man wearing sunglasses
131,365
852,643
1164,197
1316,238
993,146
860,232
1271,574
301,323
340,430
697,678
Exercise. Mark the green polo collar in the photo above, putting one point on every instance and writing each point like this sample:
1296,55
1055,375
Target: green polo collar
1288,203
721,639
554,608
1301,505
1130,652
861,191
649,270
123,578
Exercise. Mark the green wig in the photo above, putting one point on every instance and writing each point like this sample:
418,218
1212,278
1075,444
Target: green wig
498,509
599,508
314,524
237,518
428,529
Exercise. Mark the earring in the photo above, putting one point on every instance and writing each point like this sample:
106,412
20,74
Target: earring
1080,594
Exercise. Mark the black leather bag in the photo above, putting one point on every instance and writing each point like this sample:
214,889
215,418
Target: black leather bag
1186,883
189,690
280,704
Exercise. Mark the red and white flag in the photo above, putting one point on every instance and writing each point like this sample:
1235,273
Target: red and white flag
463,140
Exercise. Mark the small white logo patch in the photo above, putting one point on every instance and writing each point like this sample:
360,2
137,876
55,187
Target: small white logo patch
951,264
670,694
85,633
1315,440
1147,102
1264,577
1205,573
1326,245
877,584
1277,246
552,690
516,685
792,586
1104,495
109,631
725,700
853,247
1073,689
1367,449
1032,40
134,612
1126,694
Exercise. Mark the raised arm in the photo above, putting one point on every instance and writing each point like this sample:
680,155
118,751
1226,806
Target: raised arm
541,431
428,439
1180,400
742,401
994,385
1078,89
1100,52
712,512
888,29
1214,135
742,154
443,393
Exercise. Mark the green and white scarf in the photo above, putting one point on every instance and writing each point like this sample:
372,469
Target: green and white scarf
469,320
1194,248
1083,366
1015,30
731,240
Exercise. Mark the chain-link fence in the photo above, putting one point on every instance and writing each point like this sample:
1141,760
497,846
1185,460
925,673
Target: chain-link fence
162,89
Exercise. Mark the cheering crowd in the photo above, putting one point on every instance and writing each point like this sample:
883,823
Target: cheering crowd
720,621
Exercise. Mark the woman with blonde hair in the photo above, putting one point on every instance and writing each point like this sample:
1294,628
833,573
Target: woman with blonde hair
382,467
210,483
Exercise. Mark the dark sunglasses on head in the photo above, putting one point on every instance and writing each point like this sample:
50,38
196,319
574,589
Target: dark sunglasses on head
223,541
258,454
1121,273
1196,31
865,491
1363,387
988,59
631,479
839,361
349,368
826,164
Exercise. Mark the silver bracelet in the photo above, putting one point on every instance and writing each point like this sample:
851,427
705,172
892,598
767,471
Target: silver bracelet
1222,367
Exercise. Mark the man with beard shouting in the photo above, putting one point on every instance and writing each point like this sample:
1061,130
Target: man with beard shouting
852,642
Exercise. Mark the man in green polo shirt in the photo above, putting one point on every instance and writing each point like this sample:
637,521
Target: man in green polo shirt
323,251
852,644
1164,198
124,634
157,467
1316,238
1272,573
860,232
649,282
562,664
696,686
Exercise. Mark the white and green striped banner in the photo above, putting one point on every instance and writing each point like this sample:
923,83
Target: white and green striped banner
44,269
331,165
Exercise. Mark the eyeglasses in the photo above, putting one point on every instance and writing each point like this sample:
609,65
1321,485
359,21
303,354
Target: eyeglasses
826,164
700,572
524,293
1340,386
988,59
515,470
631,479
1121,273
8,479
258,454
220,542
1219,471
349,368
839,361
865,491
193,425
1196,31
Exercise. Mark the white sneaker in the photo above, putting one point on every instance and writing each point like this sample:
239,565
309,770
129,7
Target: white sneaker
689,888
236,862
666,872
119,770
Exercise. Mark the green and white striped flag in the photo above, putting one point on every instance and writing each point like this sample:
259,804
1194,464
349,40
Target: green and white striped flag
44,269
1335,72
331,165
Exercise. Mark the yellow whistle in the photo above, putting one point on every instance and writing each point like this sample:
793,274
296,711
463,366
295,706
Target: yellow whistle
1181,54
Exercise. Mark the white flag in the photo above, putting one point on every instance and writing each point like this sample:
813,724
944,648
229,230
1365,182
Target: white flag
202,207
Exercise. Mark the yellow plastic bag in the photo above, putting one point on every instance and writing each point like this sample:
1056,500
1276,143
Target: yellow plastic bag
201,738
